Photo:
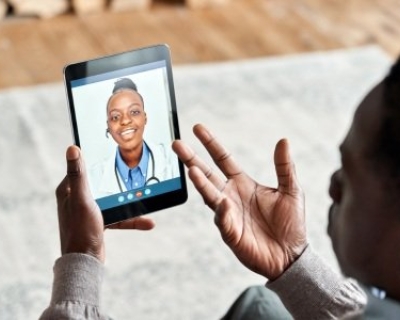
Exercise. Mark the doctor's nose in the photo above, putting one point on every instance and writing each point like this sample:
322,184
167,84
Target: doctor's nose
126,120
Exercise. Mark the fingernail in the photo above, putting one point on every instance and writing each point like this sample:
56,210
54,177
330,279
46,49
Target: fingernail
73,163
72,153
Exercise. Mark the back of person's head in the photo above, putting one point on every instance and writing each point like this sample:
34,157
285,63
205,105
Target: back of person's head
386,157
364,221
386,152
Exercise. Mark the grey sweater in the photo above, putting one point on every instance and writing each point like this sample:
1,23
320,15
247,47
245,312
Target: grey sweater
76,288
309,289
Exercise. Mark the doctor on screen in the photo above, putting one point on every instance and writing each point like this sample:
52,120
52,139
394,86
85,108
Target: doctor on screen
135,163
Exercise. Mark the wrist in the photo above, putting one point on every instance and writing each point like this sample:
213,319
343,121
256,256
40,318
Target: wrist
83,241
97,253
289,259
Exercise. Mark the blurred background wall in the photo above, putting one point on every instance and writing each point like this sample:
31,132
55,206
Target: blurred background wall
37,38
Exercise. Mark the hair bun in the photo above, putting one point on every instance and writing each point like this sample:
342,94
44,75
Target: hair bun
124,83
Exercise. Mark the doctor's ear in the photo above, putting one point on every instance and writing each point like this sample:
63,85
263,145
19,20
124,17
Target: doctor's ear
107,132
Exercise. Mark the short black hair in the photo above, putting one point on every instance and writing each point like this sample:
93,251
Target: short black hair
387,147
124,83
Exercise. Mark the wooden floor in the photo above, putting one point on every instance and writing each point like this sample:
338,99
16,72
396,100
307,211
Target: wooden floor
34,51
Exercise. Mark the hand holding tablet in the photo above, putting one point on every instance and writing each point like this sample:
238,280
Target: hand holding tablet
124,119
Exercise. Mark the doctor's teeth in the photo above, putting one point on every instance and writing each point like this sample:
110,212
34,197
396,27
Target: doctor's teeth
128,131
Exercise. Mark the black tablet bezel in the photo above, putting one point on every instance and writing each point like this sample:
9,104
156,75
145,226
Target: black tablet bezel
110,63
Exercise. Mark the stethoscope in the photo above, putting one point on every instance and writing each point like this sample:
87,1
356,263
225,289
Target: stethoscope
152,179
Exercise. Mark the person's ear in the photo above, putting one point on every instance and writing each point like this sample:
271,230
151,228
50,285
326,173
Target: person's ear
145,118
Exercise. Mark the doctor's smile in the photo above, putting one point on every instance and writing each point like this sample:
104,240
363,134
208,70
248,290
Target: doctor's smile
128,131
128,134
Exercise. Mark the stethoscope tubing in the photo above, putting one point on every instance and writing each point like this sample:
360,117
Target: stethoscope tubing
152,178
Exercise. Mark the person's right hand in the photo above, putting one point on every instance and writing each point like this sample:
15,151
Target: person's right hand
263,226
80,220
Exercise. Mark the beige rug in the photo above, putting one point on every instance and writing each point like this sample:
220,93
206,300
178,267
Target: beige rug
181,270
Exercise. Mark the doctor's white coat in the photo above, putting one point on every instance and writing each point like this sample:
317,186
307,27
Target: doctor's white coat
103,176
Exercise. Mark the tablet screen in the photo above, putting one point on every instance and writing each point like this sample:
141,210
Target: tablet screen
124,119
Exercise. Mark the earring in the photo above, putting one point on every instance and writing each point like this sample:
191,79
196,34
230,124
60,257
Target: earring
107,132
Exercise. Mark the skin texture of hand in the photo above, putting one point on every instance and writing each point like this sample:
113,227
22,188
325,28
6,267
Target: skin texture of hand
80,220
263,226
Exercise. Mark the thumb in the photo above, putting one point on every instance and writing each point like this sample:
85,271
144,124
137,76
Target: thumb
284,167
75,170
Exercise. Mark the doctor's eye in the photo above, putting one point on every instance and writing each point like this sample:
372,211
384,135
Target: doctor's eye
135,112
114,117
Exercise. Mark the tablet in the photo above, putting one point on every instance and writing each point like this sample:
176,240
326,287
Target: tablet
124,118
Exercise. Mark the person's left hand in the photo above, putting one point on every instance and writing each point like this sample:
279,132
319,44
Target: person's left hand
264,226
80,219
